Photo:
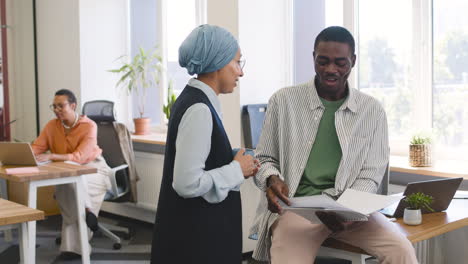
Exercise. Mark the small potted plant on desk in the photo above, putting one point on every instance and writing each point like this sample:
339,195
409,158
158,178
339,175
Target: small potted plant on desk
142,72
420,151
416,202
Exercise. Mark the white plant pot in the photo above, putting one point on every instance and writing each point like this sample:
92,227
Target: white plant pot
412,216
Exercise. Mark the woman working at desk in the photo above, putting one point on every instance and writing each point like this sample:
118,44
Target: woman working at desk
71,137
198,219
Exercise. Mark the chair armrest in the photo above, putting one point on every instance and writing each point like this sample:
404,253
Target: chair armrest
113,180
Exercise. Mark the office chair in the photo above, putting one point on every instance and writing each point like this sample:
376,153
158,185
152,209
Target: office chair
102,112
252,123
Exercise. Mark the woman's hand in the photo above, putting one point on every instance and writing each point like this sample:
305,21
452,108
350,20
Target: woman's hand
248,164
44,157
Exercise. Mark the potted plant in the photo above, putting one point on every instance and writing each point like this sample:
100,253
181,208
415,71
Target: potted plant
137,75
416,202
420,151
171,98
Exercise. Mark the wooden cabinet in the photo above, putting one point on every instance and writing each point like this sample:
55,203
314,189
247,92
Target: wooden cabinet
18,192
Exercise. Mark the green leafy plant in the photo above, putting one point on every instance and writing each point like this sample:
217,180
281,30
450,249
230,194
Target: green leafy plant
419,200
421,139
171,98
140,73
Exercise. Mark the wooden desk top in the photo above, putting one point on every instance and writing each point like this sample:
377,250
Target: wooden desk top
440,168
158,138
433,224
13,213
48,171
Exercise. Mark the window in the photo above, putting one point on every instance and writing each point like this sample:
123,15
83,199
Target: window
413,57
384,60
165,24
450,79
181,20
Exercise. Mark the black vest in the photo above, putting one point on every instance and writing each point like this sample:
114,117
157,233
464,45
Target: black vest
193,230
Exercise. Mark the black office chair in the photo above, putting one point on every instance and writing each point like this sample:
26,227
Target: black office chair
102,112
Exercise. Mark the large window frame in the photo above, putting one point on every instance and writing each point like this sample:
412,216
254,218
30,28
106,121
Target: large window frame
422,60
201,18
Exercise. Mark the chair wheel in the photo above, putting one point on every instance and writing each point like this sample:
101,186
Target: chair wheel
58,241
117,246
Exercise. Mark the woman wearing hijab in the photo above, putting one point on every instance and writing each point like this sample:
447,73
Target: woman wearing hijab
199,219
71,137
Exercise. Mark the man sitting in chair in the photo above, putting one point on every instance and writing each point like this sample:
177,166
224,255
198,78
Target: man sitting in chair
323,137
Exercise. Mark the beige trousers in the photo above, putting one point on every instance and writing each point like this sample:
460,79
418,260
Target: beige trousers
95,187
295,240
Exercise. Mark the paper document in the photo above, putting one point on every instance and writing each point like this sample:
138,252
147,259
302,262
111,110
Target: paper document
352,205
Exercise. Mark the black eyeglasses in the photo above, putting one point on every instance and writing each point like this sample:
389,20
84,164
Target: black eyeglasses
57,106
241,63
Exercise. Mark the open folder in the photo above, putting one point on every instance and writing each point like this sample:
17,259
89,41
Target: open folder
351,206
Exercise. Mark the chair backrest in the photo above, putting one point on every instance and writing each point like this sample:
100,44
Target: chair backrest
383,187
252,123
102,112
99,110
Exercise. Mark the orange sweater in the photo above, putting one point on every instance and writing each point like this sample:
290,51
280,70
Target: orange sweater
80,144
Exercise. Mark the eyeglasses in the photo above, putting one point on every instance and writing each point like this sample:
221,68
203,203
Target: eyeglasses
57,106
241,64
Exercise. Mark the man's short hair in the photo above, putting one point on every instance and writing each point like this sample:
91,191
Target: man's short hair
336,34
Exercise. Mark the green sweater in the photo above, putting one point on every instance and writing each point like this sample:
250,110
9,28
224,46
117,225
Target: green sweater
325,156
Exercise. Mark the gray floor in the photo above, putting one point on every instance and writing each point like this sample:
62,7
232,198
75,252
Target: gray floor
137,250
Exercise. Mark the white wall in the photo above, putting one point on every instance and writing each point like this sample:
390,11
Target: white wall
309,20
265,37
224,13
103,38
77,42
58,51
20,48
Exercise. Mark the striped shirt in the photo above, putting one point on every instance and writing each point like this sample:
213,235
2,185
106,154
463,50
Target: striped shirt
291,123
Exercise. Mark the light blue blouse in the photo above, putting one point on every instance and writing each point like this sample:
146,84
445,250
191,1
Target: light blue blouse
193,147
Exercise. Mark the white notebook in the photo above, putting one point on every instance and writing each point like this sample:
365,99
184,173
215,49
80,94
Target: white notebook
352,205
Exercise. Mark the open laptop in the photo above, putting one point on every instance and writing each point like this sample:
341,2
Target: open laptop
17,153
441,190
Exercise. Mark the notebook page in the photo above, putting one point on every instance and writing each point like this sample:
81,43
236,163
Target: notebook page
364,202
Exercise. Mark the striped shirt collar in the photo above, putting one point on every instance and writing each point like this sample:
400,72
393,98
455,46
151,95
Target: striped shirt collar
209,92
349,103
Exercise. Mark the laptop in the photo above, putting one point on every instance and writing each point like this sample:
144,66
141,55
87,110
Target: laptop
441,190
17,153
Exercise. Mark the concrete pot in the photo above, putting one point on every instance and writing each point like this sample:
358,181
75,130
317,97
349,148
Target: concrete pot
412,216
